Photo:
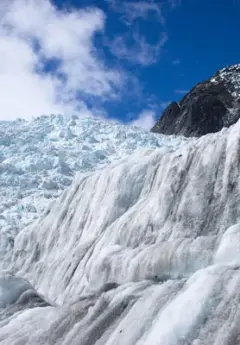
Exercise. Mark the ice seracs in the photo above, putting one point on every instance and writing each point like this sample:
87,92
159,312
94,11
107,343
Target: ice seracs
142,252
39,158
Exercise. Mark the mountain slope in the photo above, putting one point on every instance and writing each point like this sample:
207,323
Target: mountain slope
144,252
207,108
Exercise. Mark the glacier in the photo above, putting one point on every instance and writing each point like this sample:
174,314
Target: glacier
39,158
145,251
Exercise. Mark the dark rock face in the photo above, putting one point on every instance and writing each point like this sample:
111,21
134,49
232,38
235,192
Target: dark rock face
207,108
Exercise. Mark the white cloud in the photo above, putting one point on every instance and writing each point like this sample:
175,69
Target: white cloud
133,10
141,9
133,46
33,33
146,119
139,51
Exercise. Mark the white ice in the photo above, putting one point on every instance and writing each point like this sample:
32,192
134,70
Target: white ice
142,252
39,158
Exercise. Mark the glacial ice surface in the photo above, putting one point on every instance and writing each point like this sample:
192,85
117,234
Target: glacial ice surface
143,252
39,158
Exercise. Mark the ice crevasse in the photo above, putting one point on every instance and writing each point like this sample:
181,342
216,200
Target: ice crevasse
143,252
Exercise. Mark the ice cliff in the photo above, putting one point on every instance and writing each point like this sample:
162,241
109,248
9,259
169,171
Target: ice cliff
143,252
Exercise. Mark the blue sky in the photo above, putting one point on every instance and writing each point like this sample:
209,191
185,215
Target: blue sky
143,53
202,37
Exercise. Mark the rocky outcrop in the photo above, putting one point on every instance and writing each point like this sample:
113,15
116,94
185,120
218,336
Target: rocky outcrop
207,108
